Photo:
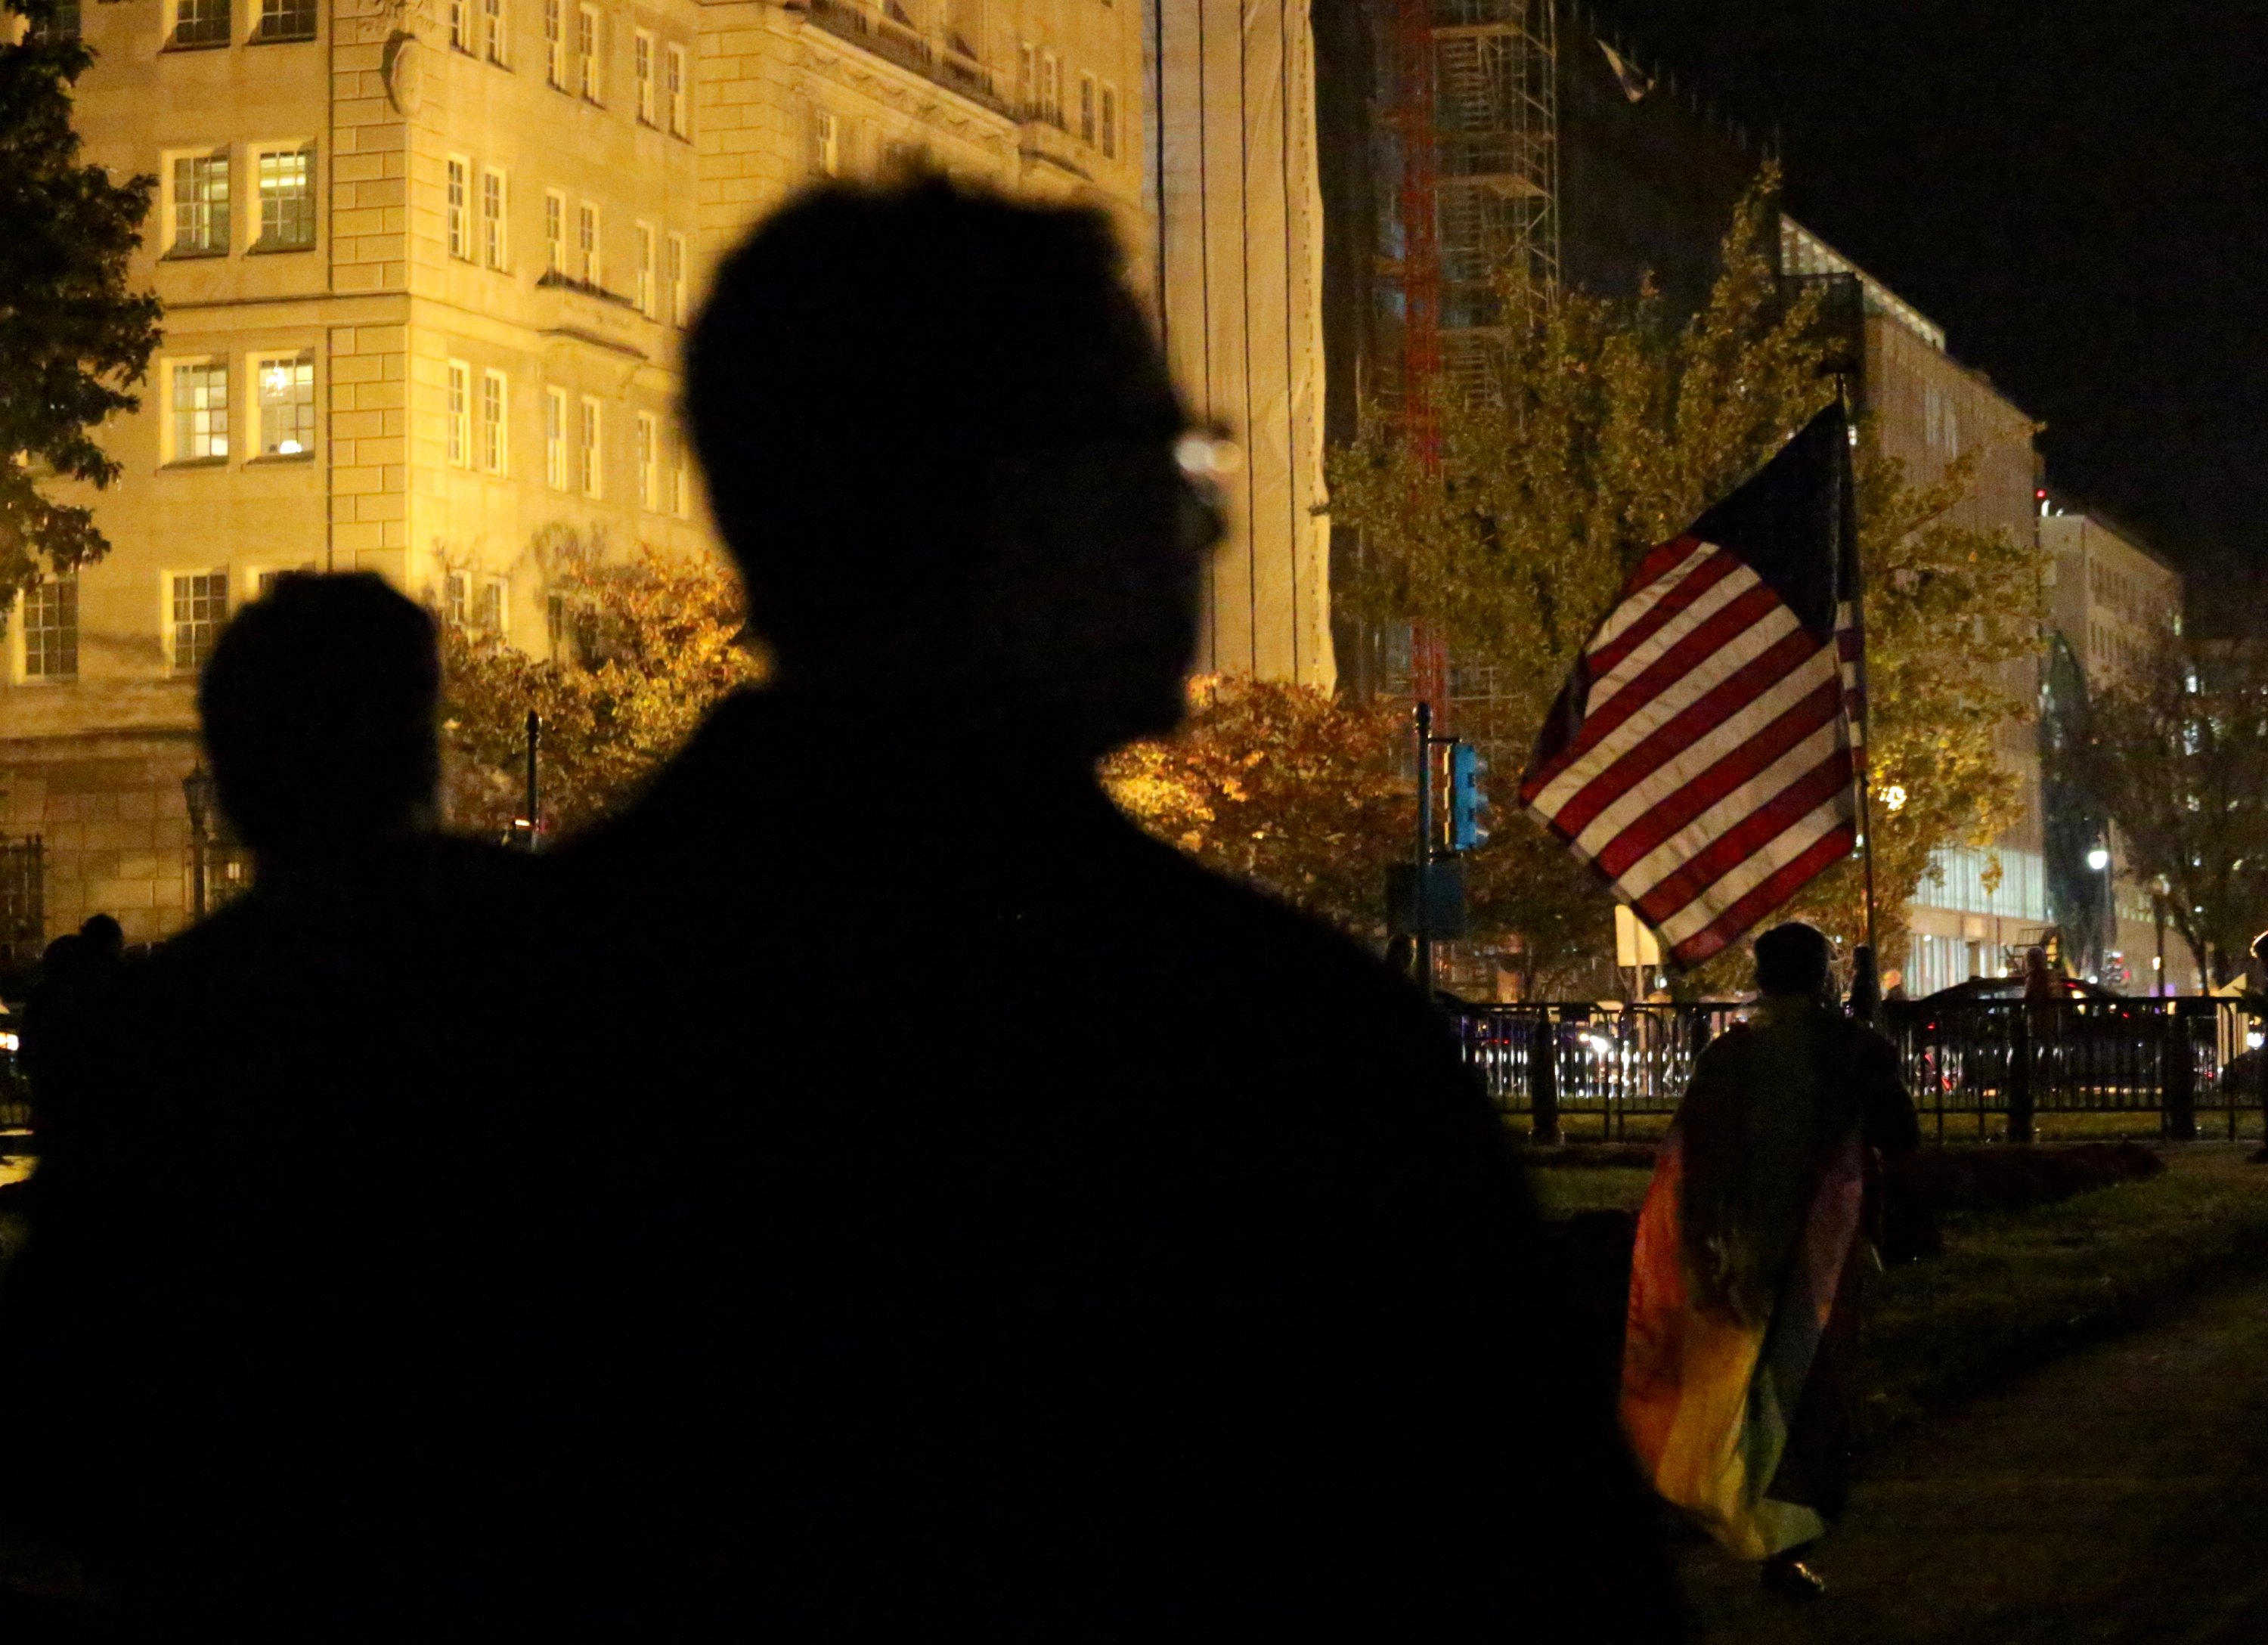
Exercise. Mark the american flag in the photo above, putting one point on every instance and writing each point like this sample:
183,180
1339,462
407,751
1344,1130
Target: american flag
1703,754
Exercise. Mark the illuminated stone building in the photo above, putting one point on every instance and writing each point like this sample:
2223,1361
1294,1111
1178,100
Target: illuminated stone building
1928,409
425,270
2112,602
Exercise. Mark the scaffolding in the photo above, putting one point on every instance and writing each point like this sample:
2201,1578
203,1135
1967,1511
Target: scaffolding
1474,112
1495,123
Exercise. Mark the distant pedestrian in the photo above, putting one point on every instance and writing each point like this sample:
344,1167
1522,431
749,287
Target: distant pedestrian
1744,1287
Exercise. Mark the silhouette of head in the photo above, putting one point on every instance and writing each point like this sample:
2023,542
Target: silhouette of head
320,705
942,446
104,938
1794,959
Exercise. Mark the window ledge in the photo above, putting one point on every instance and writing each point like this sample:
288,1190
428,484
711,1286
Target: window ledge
48,681
307,38
197,45
273,459
195,462
192,257
270,248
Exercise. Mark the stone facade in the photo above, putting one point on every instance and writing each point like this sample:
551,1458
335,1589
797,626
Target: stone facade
426,269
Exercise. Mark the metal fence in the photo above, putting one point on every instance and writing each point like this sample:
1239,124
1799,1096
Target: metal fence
1973,1067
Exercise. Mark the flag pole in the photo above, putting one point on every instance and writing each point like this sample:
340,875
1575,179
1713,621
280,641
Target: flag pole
1850,523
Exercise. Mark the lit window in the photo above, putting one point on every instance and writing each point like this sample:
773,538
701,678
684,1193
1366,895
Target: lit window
642,65
826,144
458,218
460,415
495,452
200,411
649,461
200,204
200,607
554,231
287,19
677,279
643,241
555,439
51,629
201,22
494,196
1110,122
590,448
586,241
673,69
1086,109
555,46
492,30
287,198
586,44
286,392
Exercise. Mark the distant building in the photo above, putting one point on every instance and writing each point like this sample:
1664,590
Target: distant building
1929,410
426,272
2113,604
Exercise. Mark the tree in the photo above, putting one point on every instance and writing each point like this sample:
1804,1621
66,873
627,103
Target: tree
1611,429
646,647
73,339
1297,791
2176,752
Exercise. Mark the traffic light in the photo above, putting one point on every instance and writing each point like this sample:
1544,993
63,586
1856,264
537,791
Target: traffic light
1467,799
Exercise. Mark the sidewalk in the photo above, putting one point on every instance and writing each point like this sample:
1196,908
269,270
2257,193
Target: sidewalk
2121,1494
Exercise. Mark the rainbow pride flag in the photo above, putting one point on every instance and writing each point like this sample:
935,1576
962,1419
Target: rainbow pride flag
1707,1401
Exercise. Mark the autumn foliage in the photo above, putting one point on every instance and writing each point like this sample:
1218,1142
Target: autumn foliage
646,646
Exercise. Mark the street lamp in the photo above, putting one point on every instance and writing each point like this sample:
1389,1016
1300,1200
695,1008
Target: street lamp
2098,859
198,792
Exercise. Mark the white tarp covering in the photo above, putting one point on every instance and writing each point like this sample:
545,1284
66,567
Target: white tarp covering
1238,266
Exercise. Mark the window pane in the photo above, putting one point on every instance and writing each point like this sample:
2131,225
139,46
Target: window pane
492,422
287,19
590,448
555,439
492,23
51,630
287,198
554,48
200,608
200,411
201,23
492,218
287,407
201,205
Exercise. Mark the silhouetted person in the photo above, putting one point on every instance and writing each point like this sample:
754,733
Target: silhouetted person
248,1353
1150,1265
1744,1286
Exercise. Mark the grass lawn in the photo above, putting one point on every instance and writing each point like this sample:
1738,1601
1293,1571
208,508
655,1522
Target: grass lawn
2016,1288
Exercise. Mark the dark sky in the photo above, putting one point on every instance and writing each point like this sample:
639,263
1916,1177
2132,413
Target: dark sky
2078,194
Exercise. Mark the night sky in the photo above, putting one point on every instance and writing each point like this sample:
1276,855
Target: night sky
2078,193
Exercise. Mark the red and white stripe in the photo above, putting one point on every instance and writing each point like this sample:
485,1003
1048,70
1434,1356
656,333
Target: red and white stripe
1712,774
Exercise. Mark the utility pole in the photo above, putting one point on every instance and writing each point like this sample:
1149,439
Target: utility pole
1422,896
534,734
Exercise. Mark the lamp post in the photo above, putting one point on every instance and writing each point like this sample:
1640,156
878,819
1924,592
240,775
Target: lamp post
2099,859
197,791
2158,890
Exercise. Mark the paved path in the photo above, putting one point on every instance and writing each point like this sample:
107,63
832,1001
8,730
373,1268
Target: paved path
2118,1495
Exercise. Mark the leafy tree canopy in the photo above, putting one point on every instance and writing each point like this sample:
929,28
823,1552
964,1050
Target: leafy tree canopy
73,339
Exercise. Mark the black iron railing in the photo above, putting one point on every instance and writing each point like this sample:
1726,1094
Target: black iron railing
1985,1067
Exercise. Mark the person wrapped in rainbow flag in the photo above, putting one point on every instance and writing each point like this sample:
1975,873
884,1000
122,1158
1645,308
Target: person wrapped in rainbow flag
1744,1300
